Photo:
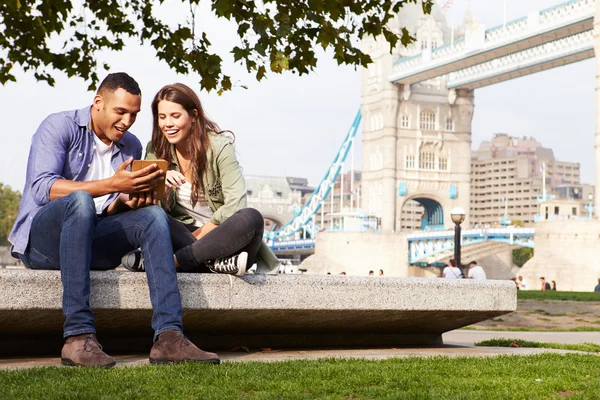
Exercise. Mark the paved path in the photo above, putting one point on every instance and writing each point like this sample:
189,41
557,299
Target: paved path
459,343
468,337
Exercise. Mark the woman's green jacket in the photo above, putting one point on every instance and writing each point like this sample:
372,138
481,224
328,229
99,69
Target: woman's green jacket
224,190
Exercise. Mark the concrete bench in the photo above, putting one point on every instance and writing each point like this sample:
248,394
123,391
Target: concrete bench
255,311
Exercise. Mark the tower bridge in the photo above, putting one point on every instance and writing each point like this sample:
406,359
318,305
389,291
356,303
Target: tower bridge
416,112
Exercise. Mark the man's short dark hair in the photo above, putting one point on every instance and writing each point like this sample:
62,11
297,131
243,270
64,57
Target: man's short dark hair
120,80
473,262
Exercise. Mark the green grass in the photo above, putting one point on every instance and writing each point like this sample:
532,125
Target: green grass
545,376
589,347
552,295
527,329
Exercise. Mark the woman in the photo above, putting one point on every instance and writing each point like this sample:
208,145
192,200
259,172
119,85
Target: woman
211,228
451,271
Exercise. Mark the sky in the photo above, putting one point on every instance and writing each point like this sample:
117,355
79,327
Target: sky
288,125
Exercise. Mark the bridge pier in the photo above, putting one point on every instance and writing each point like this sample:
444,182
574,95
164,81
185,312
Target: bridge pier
597,51
566,252
357,253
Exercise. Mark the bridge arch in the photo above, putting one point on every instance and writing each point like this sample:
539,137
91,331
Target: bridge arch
430,210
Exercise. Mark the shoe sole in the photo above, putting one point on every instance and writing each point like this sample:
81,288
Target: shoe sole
242,270
157,361
136,264
70,363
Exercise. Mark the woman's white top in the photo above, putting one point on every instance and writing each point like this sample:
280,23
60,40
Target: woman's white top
201,212
452,272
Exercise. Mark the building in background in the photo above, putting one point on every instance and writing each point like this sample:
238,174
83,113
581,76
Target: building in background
510,174
344,198
277,198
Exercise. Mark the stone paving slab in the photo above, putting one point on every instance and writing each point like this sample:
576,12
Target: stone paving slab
278,311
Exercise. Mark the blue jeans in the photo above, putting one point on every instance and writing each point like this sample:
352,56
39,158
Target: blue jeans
67,234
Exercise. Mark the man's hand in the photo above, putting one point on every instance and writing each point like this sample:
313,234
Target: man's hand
127,202
174,179
144,180
139,200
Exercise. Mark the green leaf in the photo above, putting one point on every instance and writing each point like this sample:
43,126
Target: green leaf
280,35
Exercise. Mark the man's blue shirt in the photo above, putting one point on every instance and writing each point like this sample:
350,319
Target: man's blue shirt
62,148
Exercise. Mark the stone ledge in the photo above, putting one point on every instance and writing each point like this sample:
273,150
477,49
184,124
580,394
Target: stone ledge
257,310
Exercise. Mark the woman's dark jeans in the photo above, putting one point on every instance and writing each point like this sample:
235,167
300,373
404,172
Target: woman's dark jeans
243,231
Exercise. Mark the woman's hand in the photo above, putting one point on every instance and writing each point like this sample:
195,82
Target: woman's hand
174,179
201,232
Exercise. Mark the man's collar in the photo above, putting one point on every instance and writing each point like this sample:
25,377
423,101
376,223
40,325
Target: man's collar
83,117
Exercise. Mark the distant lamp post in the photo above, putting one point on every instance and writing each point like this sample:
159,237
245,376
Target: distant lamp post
590,207
458,216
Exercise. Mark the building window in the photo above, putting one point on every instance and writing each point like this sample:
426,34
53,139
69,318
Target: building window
404,122
427,120
427,160
410,162
249,192
443,163
376,122
423,44
433,44
449,125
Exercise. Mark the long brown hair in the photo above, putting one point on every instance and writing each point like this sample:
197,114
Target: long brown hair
198,142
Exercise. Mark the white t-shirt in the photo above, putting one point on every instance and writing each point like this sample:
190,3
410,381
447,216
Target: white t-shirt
452,272
477,272
523,284
201,212
100,168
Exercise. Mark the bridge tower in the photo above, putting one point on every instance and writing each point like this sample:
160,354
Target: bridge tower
416,138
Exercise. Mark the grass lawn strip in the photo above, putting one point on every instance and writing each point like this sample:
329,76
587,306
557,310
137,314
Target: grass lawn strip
553,295
544,376
588,347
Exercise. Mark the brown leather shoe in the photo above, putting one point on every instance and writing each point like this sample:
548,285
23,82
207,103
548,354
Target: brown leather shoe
173,347
85,351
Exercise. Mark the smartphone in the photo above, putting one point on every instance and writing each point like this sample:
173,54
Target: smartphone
162,164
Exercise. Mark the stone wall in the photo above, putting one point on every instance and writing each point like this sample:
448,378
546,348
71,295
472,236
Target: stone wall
357,253
567,252
497,266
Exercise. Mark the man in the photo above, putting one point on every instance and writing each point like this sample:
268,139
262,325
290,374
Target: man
75,216
522,283
545,285
597,288
475,271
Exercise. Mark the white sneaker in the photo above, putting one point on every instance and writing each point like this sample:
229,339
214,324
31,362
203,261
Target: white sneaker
234,265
